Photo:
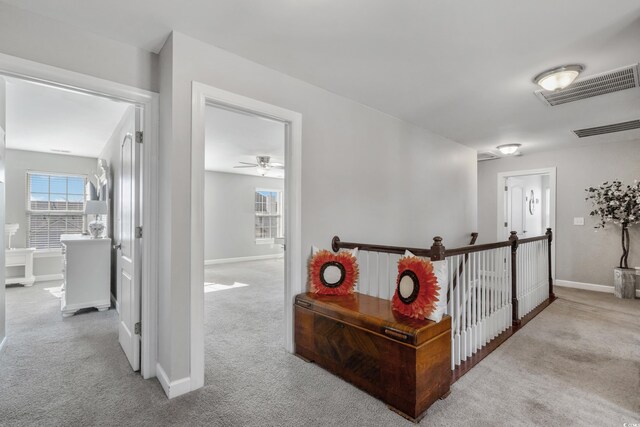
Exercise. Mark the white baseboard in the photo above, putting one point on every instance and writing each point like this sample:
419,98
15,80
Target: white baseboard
3,344
115,302
175,388
242,259
49,277
588,286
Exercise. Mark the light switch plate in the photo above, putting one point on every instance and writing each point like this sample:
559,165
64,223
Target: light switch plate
578,220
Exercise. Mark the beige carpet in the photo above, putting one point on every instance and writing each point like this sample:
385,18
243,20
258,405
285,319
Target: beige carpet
577,363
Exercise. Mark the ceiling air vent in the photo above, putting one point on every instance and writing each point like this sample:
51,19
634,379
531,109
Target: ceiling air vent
487,155
601,130
599,84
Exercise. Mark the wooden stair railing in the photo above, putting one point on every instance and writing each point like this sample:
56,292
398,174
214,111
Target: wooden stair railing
488,309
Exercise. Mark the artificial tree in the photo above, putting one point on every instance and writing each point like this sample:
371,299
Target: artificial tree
618,204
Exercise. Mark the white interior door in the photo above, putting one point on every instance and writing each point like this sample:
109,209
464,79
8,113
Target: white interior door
516,207
128,253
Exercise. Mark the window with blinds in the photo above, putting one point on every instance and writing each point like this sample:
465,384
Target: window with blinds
268,215
55,206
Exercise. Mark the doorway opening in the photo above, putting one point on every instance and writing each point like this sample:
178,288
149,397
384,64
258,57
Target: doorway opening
272,217
244,235
72,249
527,204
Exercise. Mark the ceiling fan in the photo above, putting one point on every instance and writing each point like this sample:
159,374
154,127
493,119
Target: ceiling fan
263,165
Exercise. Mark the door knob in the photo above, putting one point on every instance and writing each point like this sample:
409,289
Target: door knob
118,246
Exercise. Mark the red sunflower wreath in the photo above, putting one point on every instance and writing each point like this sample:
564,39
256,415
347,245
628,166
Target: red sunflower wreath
417,288
333,274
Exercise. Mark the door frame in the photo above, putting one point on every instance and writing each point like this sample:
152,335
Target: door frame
501,182
203,95
11,66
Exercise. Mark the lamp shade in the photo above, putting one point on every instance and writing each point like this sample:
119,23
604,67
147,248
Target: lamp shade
96,207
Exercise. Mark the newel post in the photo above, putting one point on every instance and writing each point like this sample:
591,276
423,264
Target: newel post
335,244
437,249
513,238
549,235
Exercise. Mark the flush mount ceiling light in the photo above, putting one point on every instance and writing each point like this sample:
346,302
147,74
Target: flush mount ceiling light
508,149
558,78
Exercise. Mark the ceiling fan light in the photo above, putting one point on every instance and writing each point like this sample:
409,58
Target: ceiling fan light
262,171
508,149
558,78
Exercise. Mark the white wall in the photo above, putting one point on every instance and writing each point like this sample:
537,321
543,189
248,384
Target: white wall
18,162
229,215
170,261
40,39
366,176
582,255
111,153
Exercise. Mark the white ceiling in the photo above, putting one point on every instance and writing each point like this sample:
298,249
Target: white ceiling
43,118
232,137
460,69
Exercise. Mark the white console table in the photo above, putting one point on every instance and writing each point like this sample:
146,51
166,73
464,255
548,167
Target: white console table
87,273
19,258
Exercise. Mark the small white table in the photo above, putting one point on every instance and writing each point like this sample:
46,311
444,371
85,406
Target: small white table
19,258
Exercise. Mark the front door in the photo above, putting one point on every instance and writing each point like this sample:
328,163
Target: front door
129,244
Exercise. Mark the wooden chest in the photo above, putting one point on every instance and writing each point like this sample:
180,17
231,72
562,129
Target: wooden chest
404,362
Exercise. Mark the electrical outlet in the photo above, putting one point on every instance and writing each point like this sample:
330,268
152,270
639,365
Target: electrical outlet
578,220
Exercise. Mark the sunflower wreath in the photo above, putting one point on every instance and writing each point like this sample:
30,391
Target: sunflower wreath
333,274
417,288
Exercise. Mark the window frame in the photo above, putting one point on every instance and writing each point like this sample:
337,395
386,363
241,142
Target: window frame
279,215
30,212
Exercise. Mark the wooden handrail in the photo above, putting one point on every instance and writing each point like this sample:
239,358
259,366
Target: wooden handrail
337,244
534,239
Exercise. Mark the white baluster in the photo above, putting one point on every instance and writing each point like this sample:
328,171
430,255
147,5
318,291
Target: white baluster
364,273
458,344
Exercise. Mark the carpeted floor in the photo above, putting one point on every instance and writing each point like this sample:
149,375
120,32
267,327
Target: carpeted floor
577,363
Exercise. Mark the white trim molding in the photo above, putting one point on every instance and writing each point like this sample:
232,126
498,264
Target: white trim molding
49,277
202,96
115,303
41,73
243,259
588,286
172,388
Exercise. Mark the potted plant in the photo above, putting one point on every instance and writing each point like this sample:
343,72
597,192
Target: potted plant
616,203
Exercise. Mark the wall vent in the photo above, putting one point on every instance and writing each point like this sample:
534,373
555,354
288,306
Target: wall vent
599,84
487,155
601,130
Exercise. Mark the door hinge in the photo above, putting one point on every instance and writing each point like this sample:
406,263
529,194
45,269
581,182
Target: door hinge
139,136
137,329
506,188
138,232
506,225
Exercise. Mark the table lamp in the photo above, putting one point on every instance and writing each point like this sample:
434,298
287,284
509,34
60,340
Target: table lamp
97,208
